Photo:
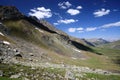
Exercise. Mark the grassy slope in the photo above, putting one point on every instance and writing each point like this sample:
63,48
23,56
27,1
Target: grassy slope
93,61
27,31
112,54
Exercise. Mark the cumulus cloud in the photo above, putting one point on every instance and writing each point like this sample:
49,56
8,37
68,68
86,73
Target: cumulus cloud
79,7
40,12
73,11
116,24
64,5
66,21
72,29
91,28
102,12
56,23
80,29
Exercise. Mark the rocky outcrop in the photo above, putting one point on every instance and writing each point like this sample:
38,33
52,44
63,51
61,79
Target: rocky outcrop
7,52
9,12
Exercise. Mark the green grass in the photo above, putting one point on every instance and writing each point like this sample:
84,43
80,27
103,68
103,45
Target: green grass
11,69
112,54
107,51
93,76
26,31
6,78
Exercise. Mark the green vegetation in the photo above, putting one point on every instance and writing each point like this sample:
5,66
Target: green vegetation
26,31
29,72
49,73
6,78
92,76
52,45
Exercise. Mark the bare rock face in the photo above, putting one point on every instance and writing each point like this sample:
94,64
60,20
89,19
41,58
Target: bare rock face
9,12
7,52
1,73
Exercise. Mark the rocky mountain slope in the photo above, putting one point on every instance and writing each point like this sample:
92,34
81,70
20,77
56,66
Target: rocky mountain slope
36,37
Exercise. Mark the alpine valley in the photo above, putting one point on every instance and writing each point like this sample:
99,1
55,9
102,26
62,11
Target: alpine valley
33,49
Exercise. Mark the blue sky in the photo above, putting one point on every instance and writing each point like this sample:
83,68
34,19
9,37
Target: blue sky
78,18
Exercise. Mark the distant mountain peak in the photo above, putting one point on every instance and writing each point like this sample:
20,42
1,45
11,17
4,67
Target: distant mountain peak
96,41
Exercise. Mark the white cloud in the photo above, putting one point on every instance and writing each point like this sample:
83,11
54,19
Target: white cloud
116,24
40,12
67,21
64,5
56,23
72,29
57,14
101,12
91,28
79,7
68,4
73,11
79,29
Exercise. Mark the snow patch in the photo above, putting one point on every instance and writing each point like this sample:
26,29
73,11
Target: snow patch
76,50
74,58
6,42
2,34
39,30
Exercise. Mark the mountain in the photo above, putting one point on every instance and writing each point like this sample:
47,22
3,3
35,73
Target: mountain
95,41
32,36
32,49
112,45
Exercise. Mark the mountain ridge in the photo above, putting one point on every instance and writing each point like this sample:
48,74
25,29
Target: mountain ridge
20,27
95,41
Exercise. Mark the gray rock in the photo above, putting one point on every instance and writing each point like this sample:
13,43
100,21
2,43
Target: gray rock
16,75
1,73
69,75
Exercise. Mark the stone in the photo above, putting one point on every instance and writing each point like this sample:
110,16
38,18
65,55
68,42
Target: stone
31,54
76,78
69,75
18,55
6,42
1,73
16,75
